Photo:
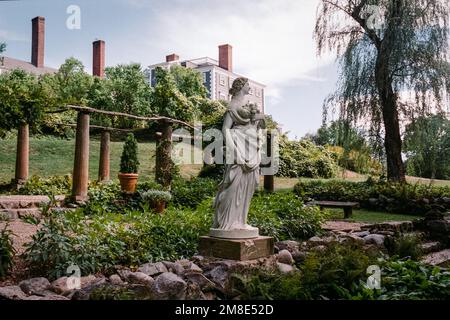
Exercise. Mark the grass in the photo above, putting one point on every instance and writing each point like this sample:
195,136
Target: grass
367,216
52,156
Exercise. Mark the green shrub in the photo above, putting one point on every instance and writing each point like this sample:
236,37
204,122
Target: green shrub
129,162
283,216
190,193
304,159
99,243
405,246
156,195
336,273
56,185
415,199
7,251
410,280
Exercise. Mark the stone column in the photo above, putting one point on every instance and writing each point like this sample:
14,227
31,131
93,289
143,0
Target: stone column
22,155
103,167
81,163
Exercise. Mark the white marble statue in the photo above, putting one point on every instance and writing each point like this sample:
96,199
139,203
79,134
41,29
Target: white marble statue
241,130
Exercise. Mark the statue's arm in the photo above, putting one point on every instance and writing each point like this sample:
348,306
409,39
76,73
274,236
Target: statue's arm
227,123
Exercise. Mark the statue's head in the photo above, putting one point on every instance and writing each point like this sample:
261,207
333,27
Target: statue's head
239,84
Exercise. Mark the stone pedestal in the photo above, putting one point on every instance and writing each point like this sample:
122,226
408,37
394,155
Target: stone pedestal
236,249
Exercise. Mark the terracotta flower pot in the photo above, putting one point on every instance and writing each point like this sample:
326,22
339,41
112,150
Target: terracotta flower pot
128,182
159,206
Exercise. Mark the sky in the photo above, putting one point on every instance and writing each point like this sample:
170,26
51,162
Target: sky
272,42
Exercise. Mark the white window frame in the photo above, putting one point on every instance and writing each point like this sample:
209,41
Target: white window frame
221,79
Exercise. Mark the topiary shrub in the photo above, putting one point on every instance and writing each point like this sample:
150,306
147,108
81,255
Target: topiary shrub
129,162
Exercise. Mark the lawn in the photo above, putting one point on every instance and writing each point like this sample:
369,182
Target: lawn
52,156
367,216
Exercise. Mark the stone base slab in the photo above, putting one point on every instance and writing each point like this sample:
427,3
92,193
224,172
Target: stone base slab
234,233
236,249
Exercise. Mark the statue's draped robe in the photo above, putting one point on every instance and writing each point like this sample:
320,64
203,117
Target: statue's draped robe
241,175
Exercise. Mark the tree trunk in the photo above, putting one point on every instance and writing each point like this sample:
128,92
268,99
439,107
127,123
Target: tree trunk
388,100
163,170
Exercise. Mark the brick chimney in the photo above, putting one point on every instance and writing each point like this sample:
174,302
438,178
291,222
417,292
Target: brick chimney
172,57
37,41
226,57
98,61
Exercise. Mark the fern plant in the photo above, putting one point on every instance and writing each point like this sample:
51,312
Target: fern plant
7,251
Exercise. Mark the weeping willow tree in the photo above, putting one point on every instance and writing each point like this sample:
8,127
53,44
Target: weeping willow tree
393,57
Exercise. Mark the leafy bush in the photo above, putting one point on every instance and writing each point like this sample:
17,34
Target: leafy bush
99,243
55,185
406,198
190,193
7,251
156,195
336,273
129,162
404,246
304,159
360,161
410,280
283,216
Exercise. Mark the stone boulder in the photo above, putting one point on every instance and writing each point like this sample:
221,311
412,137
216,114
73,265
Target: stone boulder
284,256
153,269
12,293
140,278
376,239
34,285
285,268
169,286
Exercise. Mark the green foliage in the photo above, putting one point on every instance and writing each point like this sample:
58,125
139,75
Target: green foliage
336,273
54,185
156,195
188,81
124,89
405,198
99,243
410,280
427,146
283,216
304,159
22,100
7,251
167,99
129,162
2,47
190,193
404,246
358,161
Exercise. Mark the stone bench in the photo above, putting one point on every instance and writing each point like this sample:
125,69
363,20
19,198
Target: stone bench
347,206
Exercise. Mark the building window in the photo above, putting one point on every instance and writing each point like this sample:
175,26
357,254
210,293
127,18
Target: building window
222,96
222,79
250,91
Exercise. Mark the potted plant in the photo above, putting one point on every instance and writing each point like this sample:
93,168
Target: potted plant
157,199
129,165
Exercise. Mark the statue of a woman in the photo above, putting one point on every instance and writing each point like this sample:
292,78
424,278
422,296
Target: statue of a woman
241,133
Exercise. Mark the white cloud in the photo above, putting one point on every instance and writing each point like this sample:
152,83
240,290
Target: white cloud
6,35
272,39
